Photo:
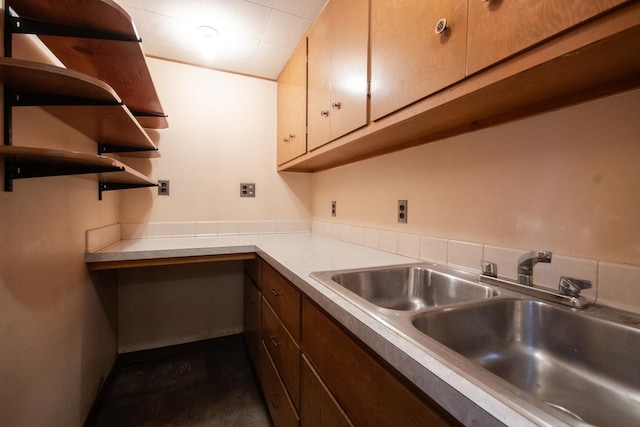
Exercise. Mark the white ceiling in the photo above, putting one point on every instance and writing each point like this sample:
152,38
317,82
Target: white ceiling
257,37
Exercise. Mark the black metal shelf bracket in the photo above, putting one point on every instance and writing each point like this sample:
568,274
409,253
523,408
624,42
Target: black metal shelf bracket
107,148
110,186
15,169
15,24
146,114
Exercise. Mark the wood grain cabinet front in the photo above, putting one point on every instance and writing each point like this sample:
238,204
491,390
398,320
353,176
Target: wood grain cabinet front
281,409
369,393
283,298
338,61
417,48
284,352
292,106
499,29
319,408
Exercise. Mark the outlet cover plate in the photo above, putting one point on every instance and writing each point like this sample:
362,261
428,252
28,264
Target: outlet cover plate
163,187
247,189
403,211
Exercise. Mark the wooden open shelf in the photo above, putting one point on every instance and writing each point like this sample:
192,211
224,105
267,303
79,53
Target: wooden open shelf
30,162
85,103
97,38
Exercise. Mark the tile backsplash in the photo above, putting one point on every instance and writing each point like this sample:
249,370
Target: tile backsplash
614,285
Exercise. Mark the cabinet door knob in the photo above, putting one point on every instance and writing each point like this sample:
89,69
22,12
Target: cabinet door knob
275,292
335,105
441,25
324,113
285,140
291,136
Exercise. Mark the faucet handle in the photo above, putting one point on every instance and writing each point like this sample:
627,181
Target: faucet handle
489,268
571,286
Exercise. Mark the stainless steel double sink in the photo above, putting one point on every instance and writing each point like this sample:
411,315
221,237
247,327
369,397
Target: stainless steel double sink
582,366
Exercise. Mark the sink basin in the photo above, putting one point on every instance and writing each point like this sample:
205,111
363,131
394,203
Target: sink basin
583,365
411,288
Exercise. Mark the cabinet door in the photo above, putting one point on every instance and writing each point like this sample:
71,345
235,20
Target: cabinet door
319,82
409,61
499,29
319,408
338,71
292,106
349,65
369,393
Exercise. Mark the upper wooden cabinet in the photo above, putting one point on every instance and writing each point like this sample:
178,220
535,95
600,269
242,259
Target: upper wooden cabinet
499,29
409,60
292,106
544,54
338,71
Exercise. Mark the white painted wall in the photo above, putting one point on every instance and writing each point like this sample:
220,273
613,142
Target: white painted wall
221,132
58,323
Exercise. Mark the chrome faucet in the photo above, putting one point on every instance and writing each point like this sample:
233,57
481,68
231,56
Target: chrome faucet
526,263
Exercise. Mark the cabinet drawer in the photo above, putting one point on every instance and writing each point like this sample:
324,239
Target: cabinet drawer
284,352
280,407
319,408
283,298
368,392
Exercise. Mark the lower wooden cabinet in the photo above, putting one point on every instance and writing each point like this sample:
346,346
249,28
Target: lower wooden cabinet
251,320
283,350
319,408
328,377
367,391
281,409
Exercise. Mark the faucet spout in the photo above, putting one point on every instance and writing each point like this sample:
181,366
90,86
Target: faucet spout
526,263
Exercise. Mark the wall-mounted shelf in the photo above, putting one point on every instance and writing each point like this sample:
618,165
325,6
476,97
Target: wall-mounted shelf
98,43
97,38
28,162
83,102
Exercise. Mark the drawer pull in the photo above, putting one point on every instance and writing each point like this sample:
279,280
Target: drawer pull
274,341
273,402
275,292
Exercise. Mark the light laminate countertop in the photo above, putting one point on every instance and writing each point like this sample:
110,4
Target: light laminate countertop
295,256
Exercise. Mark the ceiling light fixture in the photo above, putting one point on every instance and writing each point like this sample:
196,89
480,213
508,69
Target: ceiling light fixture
209,40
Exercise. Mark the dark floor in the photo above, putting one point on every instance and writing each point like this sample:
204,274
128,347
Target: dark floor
209,383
